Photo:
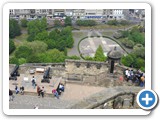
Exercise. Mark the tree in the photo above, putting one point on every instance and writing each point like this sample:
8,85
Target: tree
24,22
37,46
68,21
11,46
13,60
56,55
99,55
127,60
139,62
57,23
70,41
21,61
14,28
43,24
23,52
42,36
36,26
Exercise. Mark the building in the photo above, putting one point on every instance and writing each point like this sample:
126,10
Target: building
94,14
115,14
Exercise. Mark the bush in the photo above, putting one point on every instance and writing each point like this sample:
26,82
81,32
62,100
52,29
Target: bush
128,43
86,22
139,52
74,57
11,46
113,22
89,58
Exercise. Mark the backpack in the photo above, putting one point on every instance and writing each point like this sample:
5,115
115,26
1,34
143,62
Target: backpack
33,81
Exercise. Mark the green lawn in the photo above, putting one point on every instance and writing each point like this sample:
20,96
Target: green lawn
79,35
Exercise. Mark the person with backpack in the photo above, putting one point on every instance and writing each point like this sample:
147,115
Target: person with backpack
17,89
33,82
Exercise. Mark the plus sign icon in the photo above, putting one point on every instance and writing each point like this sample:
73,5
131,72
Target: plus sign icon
147,99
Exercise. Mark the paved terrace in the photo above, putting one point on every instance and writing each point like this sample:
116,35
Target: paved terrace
28,101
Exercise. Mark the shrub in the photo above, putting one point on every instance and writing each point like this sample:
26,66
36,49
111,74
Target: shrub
11,46
128,43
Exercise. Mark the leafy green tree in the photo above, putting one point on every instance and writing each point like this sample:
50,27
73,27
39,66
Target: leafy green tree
56,55
14,28
33,58
99,55
21,61
44,58
51,43
36,26
139,62
42,36
24,22
43,24
37,46
12,46
70,41
127,60
68,21
13,60
23,52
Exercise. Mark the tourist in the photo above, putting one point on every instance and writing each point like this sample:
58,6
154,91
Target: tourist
142,81
38,90
17,90
10,95
22,90
61,87
55,93
42,91
33,82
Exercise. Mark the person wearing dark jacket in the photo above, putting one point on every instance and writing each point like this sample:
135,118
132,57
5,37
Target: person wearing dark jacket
10,95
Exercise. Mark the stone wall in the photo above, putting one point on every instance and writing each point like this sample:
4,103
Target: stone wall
86,72
111,98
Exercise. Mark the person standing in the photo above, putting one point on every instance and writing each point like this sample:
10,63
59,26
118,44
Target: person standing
10,95
42,92
17,90
38,90
22,90
33,82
